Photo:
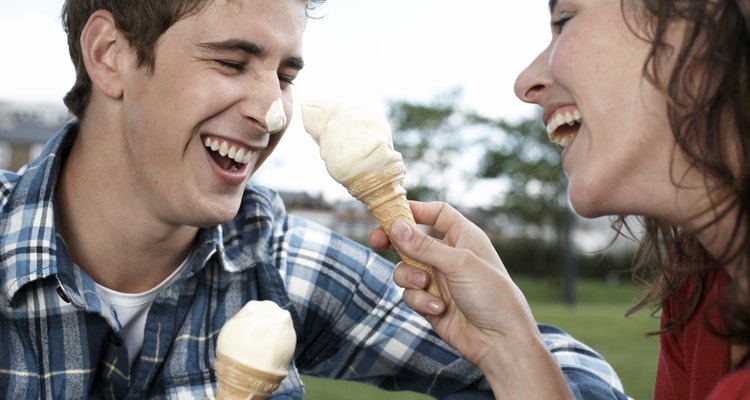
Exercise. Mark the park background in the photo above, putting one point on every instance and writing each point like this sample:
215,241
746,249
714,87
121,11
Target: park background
443,72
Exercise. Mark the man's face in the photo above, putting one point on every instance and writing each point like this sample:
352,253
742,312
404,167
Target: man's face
197,128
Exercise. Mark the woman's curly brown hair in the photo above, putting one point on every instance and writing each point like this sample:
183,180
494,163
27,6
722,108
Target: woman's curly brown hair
708,104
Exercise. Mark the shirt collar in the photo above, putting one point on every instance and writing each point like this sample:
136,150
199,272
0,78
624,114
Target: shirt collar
28,236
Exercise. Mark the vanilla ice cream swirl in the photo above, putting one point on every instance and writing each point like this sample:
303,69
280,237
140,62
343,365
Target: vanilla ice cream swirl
352,140
261,335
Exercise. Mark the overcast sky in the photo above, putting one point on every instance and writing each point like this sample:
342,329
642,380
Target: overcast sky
363,52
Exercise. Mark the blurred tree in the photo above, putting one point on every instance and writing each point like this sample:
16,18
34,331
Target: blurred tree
520,155
427,137
516,155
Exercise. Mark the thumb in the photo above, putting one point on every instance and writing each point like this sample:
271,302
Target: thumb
417,245
401,231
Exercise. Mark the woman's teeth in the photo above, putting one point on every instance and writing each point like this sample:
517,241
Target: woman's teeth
238,154
560,128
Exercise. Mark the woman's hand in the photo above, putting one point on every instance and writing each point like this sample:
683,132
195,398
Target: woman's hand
482,314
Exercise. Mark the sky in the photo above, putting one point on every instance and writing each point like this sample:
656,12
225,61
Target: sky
361,52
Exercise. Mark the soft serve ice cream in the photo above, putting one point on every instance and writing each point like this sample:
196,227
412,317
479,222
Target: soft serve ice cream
253,351
358,152
352,141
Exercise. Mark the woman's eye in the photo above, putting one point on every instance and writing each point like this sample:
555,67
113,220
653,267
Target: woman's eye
559,23
286,80
235,66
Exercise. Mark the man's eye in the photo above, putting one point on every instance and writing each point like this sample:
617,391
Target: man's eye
235,66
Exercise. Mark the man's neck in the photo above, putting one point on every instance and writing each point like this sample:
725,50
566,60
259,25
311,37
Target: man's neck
111,233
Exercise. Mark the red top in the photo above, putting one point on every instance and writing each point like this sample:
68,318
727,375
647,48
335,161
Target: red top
693,362
735,386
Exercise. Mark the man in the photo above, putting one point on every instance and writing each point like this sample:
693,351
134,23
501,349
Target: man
133,237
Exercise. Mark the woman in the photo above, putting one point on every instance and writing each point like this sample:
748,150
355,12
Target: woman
650,101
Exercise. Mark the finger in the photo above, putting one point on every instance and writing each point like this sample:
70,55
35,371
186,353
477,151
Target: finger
415,244
459,231
378,240
409,277
423,302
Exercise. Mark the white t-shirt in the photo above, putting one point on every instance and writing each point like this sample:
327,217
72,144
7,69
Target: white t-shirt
132,309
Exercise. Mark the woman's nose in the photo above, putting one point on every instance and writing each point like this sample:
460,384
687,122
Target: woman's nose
533,83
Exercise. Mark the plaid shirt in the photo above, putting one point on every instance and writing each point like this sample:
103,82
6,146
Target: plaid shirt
58,339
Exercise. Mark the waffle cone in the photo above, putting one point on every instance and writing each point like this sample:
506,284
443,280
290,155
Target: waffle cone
237,381
383,193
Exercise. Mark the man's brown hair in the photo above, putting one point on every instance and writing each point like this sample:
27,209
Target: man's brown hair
142,22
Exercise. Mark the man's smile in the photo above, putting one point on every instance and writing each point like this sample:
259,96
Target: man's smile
228,155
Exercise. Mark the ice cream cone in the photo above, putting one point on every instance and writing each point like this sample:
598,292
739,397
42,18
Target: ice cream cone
253,351
383,192
237,381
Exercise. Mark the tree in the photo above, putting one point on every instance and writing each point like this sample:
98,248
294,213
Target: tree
520,155
517,155
425,134
432,137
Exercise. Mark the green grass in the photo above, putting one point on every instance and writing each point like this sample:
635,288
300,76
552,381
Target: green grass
597,320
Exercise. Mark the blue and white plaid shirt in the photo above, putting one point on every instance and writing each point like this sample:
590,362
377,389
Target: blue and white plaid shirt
59,340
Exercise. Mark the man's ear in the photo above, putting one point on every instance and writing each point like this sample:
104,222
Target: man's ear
100,49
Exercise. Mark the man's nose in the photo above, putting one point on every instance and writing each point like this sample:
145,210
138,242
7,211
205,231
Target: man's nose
263,102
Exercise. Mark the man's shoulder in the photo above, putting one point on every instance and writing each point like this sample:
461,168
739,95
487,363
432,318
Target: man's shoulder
8,181
260,200
260,215
263,204
263,208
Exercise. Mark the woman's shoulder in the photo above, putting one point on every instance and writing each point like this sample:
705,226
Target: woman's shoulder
734,386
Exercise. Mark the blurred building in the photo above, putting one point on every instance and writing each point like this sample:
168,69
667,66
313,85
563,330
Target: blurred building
24,129
346,217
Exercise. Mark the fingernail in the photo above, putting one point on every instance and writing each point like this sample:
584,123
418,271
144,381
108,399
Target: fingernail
435,306
400,230
418,279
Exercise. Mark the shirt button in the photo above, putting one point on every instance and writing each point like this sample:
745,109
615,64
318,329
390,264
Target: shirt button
61,293
114,339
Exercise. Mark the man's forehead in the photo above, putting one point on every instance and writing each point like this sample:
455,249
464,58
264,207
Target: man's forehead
253,27
254,12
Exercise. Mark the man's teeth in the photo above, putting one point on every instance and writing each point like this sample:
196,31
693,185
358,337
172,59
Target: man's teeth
236,153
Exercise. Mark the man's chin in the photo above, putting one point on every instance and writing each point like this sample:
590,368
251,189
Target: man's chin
211,222
217,215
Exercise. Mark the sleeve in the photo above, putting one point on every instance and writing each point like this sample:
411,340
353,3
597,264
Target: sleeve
735,386
356,327
588,375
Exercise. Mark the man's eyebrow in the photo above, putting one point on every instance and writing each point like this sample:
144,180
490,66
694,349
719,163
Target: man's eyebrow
250,48
552,4
235,45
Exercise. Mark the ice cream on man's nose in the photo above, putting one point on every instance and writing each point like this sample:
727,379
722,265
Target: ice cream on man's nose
253,351
358,152
275,116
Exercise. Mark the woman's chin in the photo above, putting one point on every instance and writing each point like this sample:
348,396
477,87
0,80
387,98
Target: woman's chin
586,203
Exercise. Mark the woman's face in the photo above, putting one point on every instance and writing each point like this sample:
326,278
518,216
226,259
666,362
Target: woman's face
612,123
